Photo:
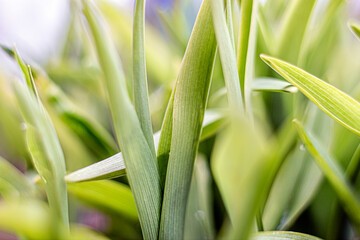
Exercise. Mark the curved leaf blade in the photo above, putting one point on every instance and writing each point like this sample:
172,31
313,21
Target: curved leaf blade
110,196
333,173
337,104
282,235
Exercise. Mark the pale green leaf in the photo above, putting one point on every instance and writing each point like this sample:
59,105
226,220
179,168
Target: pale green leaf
109,196
293,28
19,186
236,159
140,87
333,173
227,56
282,235
273,85
246,48
331,100
199,223
140,160
355,28
45,149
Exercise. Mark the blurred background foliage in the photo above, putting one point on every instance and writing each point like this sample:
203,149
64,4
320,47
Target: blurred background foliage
69,81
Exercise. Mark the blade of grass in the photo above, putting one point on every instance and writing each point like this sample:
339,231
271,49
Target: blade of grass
292,31
355,28
114,166
282,235
43,144
20,186
140,87
109,196
236,159
227,56
246,48
331,100
273,85
190,99
199,222
139,159
333,173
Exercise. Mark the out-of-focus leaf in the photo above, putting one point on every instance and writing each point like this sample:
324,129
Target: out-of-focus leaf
227,56
331,100
282,235
355,28
19,185
333,173
199,223
79,232
294,24
110,196
45,149
190,98
273,85
237,160
31,219
114,166
140,160
95,137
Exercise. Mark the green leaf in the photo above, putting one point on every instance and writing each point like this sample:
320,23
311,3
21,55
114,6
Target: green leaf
109,196
140,88
236,159
333,173
95,136
282,235
292,31
190,98
273,85
246,48
114,166
227,56
355,28
199,223
331,100
140,161
30,219
19,186
45,150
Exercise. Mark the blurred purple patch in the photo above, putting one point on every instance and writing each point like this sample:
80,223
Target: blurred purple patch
94,219
7,236
354,9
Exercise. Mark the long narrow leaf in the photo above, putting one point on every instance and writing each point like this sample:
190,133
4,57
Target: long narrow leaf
109,196
139,73
282,235
190,99
45,149
355,28
293,28
140,161
246,48
331,100
227,56
20,186
333,173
